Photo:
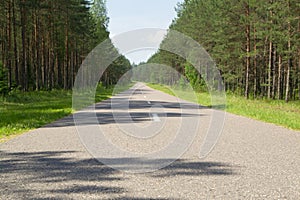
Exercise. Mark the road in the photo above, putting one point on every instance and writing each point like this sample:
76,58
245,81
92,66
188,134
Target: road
252,159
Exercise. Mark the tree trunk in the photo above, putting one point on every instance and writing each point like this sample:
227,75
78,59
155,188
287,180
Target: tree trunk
248,49
66,61
287,89
279,78
24,69
274,74
16,55
9,46
255,64
270,69
35,49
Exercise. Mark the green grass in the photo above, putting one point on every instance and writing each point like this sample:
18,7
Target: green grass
271,111
21,112
24,111
201,98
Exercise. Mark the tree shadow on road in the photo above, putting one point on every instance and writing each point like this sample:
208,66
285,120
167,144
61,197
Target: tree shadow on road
56,173
123,113
52,174
180,167
186,168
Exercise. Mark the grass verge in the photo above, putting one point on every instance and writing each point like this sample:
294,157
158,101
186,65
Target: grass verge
24,111
271,111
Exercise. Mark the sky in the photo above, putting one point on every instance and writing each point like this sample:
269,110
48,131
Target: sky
129,15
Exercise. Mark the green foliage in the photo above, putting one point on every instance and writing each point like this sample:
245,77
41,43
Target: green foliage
119,70
192,75
182,83
195,79
99,12
99,16
254,43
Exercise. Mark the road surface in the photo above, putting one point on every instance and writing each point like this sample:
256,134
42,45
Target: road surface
252,159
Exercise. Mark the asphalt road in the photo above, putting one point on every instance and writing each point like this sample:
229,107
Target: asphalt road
67,160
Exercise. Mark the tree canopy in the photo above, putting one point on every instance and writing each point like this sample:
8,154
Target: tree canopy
255,44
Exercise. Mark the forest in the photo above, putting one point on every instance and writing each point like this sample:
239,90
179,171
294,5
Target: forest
255,44
43,43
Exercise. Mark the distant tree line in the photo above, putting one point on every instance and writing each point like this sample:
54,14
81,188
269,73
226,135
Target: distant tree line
155,73
255,44
43,42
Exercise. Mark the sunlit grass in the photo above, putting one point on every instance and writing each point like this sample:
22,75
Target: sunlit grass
21,111
24,111
272,111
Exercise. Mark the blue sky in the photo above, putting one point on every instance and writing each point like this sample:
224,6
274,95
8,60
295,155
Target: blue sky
128,15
